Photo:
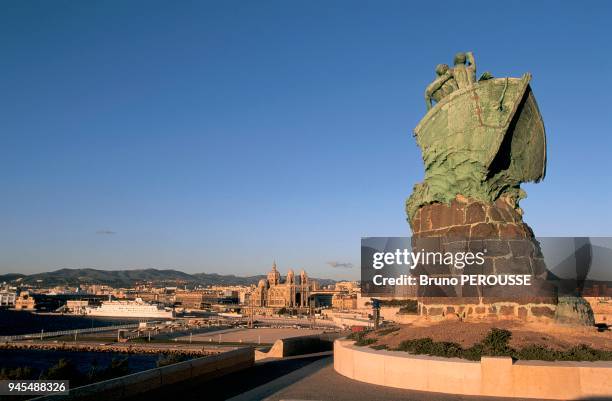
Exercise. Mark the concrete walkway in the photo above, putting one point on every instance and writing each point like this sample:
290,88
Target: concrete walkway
279,384
301,378
319,381
234,384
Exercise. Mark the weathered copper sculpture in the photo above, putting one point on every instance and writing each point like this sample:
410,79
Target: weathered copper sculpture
481,140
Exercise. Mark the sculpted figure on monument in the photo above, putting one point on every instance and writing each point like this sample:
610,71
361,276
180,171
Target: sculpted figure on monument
464,74
442,86
449,79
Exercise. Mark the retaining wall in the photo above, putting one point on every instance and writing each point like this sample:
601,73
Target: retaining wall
492,376
392,313
201,368
299,346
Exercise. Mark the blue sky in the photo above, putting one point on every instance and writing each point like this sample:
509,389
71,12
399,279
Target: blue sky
218,136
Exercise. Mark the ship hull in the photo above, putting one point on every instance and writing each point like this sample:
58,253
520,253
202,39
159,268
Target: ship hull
156,315
477,119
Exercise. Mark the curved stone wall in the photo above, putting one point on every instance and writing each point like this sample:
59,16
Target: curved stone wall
492,376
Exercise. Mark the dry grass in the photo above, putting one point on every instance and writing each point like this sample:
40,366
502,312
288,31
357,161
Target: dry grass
467,334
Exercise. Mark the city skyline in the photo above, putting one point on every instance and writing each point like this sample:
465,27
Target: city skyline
218,137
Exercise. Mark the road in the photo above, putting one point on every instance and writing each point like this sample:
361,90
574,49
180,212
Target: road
262,335
317,323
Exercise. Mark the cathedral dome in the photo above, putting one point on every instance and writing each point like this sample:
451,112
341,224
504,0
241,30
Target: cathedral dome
262,283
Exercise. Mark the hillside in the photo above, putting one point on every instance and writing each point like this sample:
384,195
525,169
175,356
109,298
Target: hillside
129,278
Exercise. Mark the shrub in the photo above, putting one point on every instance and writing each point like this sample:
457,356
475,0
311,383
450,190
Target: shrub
170,359
578,353
93,371
355,335
495,343
360,338
64,369
538,352
388,330
411,307
585,353
474,353
20,373
362,342
397,302
427,346
406,310
117,368
407,306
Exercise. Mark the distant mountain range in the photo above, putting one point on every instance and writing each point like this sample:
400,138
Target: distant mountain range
128,278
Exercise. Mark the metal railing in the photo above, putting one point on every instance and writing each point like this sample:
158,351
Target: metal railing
42,334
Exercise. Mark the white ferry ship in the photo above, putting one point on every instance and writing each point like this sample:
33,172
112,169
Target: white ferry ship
230,315
137,308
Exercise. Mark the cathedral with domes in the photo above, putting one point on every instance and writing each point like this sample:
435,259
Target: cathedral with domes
292,292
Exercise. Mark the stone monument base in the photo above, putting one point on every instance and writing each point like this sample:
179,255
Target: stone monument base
467,219
442,309
510,248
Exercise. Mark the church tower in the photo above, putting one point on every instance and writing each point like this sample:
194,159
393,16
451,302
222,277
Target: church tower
290,283
273,276
304,289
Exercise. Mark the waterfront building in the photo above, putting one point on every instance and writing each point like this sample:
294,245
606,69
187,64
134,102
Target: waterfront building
76,306
190,299
220,296
347,286
7,298
344,301
96,289
25,301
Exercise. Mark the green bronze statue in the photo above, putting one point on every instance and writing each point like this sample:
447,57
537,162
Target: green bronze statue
464,74
481,140
442,86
